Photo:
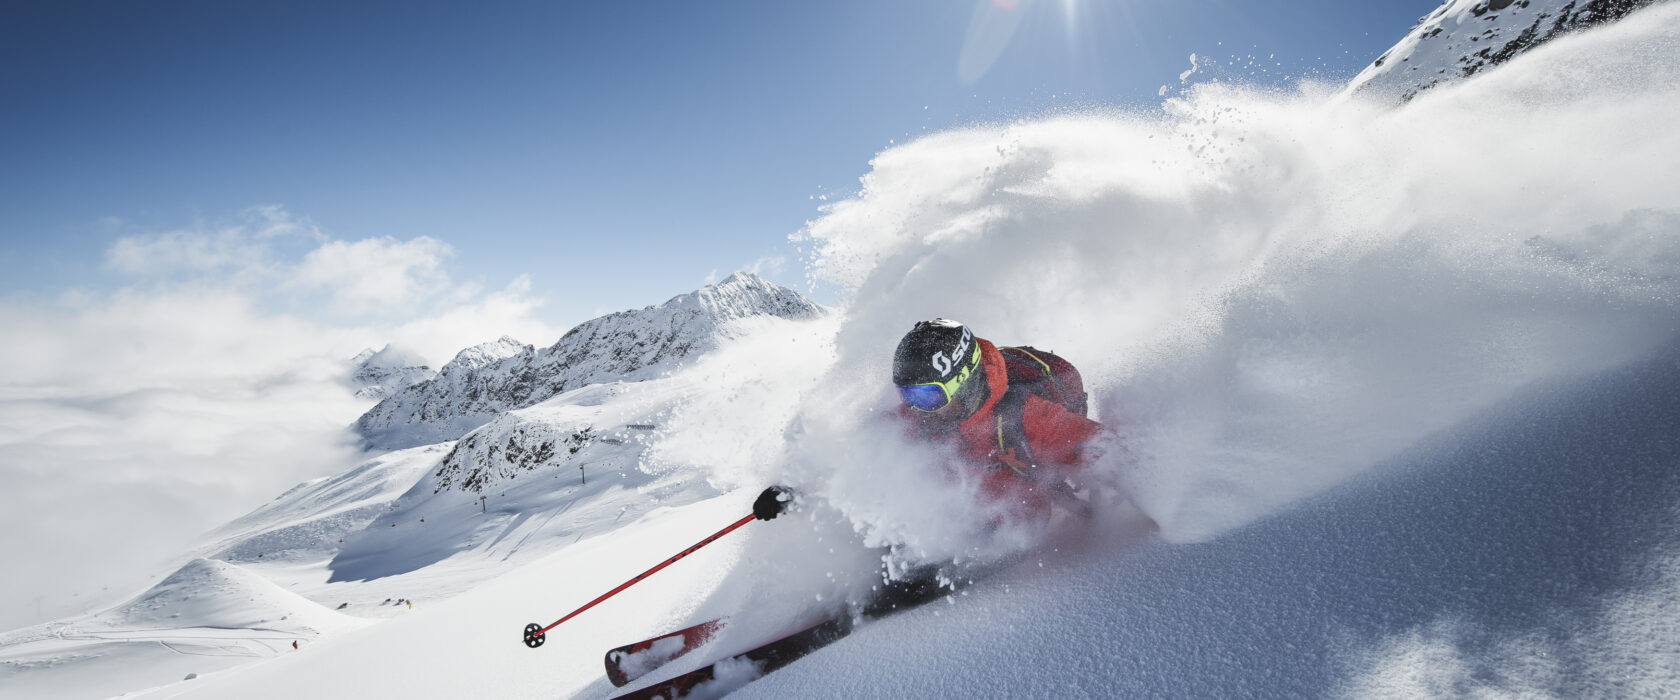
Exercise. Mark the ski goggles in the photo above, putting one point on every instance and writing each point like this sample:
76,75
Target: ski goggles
933,396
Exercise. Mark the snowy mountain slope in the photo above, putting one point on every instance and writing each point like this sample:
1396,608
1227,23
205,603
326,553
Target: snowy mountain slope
391,369
212,593
582,463
427,412
543,476
249,600
628,346
1464,37
206,616
478,632
309,521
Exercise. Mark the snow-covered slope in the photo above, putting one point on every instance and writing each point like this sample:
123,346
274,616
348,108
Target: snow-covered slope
387,371
206,616
212,593
1464,37
589,460
529,481
309,521
243,595
498,377
469,646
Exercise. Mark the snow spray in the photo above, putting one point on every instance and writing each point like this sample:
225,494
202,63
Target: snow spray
1268,294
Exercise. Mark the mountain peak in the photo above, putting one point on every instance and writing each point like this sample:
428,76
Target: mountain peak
485,354
381,373
740,277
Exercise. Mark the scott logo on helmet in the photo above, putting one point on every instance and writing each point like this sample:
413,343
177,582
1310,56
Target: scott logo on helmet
945,363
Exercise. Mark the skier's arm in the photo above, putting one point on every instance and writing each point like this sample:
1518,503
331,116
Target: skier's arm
1056,435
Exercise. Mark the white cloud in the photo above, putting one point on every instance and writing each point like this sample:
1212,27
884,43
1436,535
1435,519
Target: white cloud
179,338
376,273
179,251
769,266
267,251
512,311
242,246
135,421
274,221
132,421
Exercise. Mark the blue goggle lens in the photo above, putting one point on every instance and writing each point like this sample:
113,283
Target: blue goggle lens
924,397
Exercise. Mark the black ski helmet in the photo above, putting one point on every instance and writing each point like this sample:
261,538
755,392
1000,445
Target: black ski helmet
941,351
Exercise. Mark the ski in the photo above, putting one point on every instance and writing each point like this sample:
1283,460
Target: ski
733,672
916,589
627,663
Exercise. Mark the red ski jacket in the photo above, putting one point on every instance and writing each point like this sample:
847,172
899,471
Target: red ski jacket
1054,441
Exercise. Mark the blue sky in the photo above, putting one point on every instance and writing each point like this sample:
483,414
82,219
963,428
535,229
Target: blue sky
617,152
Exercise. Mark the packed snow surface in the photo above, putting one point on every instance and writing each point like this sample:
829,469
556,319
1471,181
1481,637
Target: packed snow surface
1397,385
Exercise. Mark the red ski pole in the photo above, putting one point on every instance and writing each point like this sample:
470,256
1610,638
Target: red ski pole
536,634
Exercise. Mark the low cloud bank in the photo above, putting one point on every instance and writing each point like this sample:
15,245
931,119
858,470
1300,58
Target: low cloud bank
133,420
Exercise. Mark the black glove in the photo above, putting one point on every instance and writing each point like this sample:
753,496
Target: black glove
773,502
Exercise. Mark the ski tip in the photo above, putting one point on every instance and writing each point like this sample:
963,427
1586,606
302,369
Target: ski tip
630,662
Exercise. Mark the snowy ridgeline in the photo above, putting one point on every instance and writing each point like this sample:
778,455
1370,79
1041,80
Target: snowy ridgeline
491,379
1464,37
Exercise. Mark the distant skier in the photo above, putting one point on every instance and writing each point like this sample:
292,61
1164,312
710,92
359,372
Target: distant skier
1016,414
294,645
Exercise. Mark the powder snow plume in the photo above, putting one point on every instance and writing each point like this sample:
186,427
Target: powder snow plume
1268,294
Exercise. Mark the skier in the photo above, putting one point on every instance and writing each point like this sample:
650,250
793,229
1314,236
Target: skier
1015,414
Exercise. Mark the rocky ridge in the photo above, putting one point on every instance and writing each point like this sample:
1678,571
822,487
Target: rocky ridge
1464,37
494,378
